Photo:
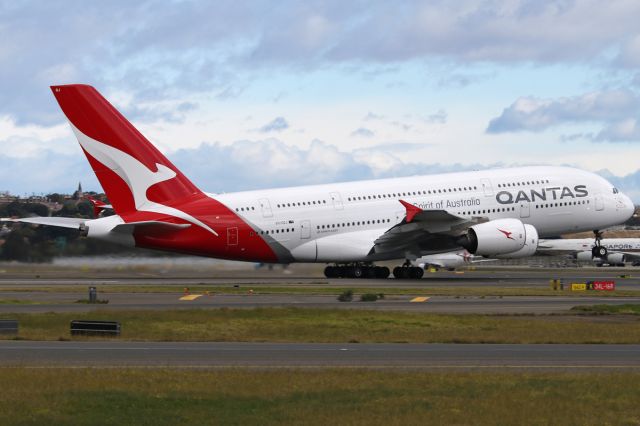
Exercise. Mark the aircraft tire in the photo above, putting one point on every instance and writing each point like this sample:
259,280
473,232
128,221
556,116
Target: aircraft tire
398,272
382,272
331,272
417,273
357,272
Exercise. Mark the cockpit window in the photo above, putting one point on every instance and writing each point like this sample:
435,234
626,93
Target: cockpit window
615,190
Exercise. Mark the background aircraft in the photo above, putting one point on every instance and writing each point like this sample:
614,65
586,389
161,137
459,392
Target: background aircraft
619,250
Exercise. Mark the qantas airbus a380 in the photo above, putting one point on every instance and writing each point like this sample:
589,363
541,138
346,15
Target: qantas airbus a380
495,213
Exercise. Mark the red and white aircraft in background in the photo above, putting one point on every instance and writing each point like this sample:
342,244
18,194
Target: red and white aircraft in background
450,261
495,213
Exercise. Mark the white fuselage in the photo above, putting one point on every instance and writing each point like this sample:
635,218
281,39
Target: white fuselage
340,222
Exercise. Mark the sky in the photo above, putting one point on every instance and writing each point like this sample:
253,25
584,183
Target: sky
255,94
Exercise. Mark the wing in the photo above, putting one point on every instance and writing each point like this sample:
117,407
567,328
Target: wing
422,232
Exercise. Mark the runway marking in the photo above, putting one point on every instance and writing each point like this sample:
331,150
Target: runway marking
419,299
190,297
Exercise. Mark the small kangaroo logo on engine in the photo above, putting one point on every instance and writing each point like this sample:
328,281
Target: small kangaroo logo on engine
507,234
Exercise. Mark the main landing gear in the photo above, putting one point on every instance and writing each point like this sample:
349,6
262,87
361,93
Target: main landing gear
598,251
407,271
356,271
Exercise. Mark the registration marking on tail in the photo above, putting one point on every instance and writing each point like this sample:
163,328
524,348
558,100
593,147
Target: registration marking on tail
190,297
419,299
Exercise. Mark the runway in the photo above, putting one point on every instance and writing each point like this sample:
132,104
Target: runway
133,289
34,302
299,355
626,278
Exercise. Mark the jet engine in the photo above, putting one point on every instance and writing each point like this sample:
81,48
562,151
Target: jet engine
615,258
610,259
584,256
501,238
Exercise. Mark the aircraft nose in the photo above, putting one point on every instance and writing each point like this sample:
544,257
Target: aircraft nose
629,207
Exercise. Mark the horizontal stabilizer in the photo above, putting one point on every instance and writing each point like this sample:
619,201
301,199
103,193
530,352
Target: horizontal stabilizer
64,222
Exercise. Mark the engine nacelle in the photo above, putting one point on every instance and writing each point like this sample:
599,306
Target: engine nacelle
498,237
615,258
530,246
611,258
584,256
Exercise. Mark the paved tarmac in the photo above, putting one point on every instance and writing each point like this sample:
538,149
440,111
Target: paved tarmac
15,279
501,277
34,302
278,355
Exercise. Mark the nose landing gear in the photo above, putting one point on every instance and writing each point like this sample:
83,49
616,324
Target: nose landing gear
598,251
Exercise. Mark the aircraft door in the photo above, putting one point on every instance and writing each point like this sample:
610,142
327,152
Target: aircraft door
337,201
305,229
599,202
232,236
265,206
487,187
525,210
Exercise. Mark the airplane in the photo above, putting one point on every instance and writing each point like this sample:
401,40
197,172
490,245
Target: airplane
490,213
450,260
98,206
619,250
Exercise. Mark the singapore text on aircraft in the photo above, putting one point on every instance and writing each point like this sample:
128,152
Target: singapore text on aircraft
495,213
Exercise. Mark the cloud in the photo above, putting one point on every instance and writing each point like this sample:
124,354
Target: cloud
362,132
243,165
49,172
251,164
159,51
278,124
372,116
439,117
616,109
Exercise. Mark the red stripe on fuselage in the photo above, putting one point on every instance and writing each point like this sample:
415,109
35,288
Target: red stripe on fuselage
246,244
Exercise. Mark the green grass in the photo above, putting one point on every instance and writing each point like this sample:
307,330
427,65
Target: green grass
318,289
340,325
19,302
609,309
337,396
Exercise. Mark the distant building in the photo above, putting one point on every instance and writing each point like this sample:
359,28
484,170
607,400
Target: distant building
78,195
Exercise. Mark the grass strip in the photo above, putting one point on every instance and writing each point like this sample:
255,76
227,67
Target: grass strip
339,325
335,396
628,309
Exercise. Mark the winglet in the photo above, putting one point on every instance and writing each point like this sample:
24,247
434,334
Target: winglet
412,210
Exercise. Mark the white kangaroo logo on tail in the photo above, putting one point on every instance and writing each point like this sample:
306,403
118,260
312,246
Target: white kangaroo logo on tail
137,177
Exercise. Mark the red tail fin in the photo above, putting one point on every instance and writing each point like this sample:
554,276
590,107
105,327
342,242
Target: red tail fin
130,169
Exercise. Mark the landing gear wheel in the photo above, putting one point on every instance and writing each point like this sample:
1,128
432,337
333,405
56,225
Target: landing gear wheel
330,272
381,272
416,273
599,251
357,272
397,272
405,272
